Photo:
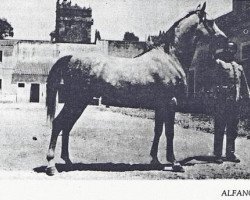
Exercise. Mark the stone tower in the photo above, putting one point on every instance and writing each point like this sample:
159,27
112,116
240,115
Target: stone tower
73,23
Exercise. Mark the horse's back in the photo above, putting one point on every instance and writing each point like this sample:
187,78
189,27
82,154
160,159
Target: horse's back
147,69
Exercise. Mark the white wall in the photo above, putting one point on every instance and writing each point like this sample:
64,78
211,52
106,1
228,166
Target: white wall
34,54
23,94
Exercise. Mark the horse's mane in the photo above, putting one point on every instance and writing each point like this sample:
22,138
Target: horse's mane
187,16
166,39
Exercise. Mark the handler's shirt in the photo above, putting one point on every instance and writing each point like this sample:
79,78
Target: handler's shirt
230,80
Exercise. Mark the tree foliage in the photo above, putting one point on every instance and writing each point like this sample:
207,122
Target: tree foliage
6,29
130,37
97,35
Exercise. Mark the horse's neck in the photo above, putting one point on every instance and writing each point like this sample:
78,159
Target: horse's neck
184,45
184,53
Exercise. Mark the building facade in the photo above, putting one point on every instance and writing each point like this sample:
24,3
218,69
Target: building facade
236,25
25,64
7,64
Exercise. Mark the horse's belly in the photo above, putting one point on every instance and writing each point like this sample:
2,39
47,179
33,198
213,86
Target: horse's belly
130,98
133,96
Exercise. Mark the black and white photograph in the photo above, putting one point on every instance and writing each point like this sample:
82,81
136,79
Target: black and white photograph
104,95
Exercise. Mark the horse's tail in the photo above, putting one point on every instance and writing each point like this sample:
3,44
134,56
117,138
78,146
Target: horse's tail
53,82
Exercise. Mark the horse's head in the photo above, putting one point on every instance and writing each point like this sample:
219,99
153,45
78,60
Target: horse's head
186,32
207,28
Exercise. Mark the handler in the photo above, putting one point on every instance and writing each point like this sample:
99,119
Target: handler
230,88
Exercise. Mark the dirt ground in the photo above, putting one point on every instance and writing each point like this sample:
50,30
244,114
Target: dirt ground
106,145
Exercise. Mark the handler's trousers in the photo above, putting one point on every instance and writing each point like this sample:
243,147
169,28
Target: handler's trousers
226,118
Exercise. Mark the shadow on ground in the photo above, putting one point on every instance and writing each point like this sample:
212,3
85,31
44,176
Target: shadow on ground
122,167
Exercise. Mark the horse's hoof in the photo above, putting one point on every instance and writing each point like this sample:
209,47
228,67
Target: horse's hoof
51,171
177,167
67,161
155,162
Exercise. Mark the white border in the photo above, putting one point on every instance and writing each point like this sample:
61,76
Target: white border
121,190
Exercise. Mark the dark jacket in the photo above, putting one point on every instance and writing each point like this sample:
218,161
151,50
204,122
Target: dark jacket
230,81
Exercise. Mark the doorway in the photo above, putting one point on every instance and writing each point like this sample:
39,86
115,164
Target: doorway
34,92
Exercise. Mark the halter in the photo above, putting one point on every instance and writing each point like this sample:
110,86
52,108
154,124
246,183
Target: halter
204,22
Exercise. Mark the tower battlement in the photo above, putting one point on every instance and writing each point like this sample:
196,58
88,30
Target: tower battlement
73,23
66,9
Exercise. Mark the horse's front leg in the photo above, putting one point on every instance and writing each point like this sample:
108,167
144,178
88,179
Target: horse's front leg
169,132
158,131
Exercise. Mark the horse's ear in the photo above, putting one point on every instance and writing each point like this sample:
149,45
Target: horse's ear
203,7
198,6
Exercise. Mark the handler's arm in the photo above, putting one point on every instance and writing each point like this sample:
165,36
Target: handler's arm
245,92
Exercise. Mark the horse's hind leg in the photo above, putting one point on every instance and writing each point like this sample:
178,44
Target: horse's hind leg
65,146
57,126
72,116
158,132
63,122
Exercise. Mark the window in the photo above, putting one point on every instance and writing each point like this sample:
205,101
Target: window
1,56
245,52
21,85
0,84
